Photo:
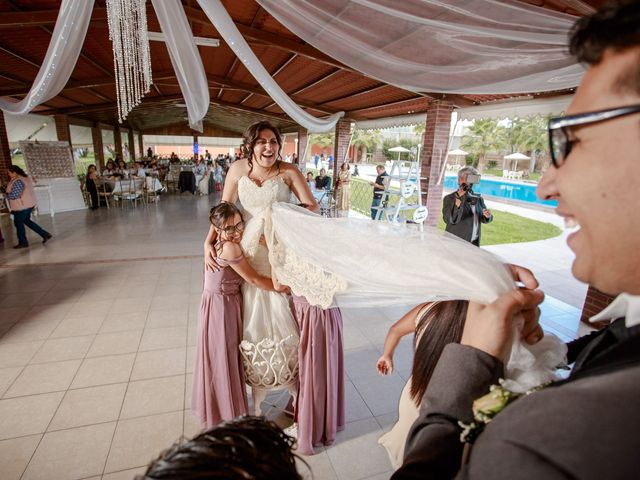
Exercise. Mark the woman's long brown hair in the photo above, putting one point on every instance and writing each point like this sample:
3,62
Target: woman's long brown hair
440,325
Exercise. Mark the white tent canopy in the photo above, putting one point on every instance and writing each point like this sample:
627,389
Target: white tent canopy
516,156
457,151
516,108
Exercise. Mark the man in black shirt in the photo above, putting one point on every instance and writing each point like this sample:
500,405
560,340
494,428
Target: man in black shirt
378,191
322,181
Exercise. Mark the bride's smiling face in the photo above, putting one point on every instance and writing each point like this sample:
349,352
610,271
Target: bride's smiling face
266,148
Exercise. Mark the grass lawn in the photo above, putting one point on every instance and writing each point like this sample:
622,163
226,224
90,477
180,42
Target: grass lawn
510,228
533,176
505,228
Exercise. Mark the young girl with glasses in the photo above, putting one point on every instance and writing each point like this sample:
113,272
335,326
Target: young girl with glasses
218,383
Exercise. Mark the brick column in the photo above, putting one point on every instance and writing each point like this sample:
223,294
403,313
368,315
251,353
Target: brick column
63,131
5,151
435,144
141,145
117,142
594,303
340,145
98,147
132,146
303,140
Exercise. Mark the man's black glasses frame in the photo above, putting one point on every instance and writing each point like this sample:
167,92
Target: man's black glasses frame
560,144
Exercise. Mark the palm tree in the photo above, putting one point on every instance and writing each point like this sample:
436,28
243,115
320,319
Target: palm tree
482,137
534,138
323,140
364,140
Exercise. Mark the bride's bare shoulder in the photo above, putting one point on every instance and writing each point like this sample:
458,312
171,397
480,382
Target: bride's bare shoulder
289,170
238,168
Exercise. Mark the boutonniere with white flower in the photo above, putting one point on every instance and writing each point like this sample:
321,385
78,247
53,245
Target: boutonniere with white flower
488,406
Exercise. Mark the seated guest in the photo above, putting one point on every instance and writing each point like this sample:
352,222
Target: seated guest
245,448
322,181
110,169
138,171
122,169
311,181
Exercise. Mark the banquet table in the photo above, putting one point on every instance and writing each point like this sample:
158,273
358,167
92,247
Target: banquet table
187,181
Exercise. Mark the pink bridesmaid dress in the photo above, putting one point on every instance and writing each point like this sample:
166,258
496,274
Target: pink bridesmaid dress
218,382
320,408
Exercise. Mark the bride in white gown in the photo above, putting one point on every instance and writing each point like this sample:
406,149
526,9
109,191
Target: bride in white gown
270,340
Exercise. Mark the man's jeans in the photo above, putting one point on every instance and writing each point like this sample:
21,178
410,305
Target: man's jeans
22,218
374,211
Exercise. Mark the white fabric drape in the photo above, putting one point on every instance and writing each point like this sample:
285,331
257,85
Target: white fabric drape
227,29
65,46
453,46
381,265
185,59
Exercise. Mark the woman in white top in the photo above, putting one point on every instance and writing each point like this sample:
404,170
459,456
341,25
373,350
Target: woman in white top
435,325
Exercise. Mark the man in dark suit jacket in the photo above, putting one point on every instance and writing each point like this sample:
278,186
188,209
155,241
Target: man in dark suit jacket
463,211
586,426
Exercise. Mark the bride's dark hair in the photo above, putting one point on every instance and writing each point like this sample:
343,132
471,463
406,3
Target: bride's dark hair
251,136
440,325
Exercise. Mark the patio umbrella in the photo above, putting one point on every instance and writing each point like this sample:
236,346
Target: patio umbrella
457,152
516,156
400,149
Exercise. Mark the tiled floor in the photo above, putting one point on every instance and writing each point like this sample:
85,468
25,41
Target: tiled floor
97,349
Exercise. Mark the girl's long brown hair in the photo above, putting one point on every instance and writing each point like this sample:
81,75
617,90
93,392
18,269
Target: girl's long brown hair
440,325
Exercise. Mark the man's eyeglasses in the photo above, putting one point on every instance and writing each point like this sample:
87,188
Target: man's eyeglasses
560,141
231,229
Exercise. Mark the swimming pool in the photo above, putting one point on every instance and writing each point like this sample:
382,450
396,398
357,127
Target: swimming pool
522,192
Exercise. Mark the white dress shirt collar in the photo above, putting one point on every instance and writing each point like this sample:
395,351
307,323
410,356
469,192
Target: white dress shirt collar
624,305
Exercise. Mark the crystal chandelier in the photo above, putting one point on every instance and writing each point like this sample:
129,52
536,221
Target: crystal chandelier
131,59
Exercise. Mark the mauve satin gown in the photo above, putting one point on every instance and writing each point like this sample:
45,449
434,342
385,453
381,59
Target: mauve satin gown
218,381
320,411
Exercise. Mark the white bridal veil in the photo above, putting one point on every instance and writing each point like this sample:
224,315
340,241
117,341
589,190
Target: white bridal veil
374,264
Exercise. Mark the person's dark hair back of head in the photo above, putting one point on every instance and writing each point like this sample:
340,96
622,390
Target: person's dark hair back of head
241,449
223,212
441,325
17,170
616,27
251,136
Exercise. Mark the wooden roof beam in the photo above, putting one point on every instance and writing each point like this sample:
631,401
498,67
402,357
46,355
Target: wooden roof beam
80,84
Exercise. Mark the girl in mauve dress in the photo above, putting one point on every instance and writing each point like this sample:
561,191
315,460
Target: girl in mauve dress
218,383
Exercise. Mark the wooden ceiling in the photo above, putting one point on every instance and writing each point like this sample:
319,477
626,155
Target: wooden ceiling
315,81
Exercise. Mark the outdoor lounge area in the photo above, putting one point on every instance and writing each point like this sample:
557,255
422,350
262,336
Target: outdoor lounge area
273,236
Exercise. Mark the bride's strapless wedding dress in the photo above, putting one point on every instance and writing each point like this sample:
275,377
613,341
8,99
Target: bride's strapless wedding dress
270,341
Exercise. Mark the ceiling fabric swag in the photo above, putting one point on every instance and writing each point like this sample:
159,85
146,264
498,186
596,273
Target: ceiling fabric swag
62,54
457,46
227,29
185,59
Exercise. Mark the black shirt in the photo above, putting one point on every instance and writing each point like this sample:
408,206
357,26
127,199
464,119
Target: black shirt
322,183
377,193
